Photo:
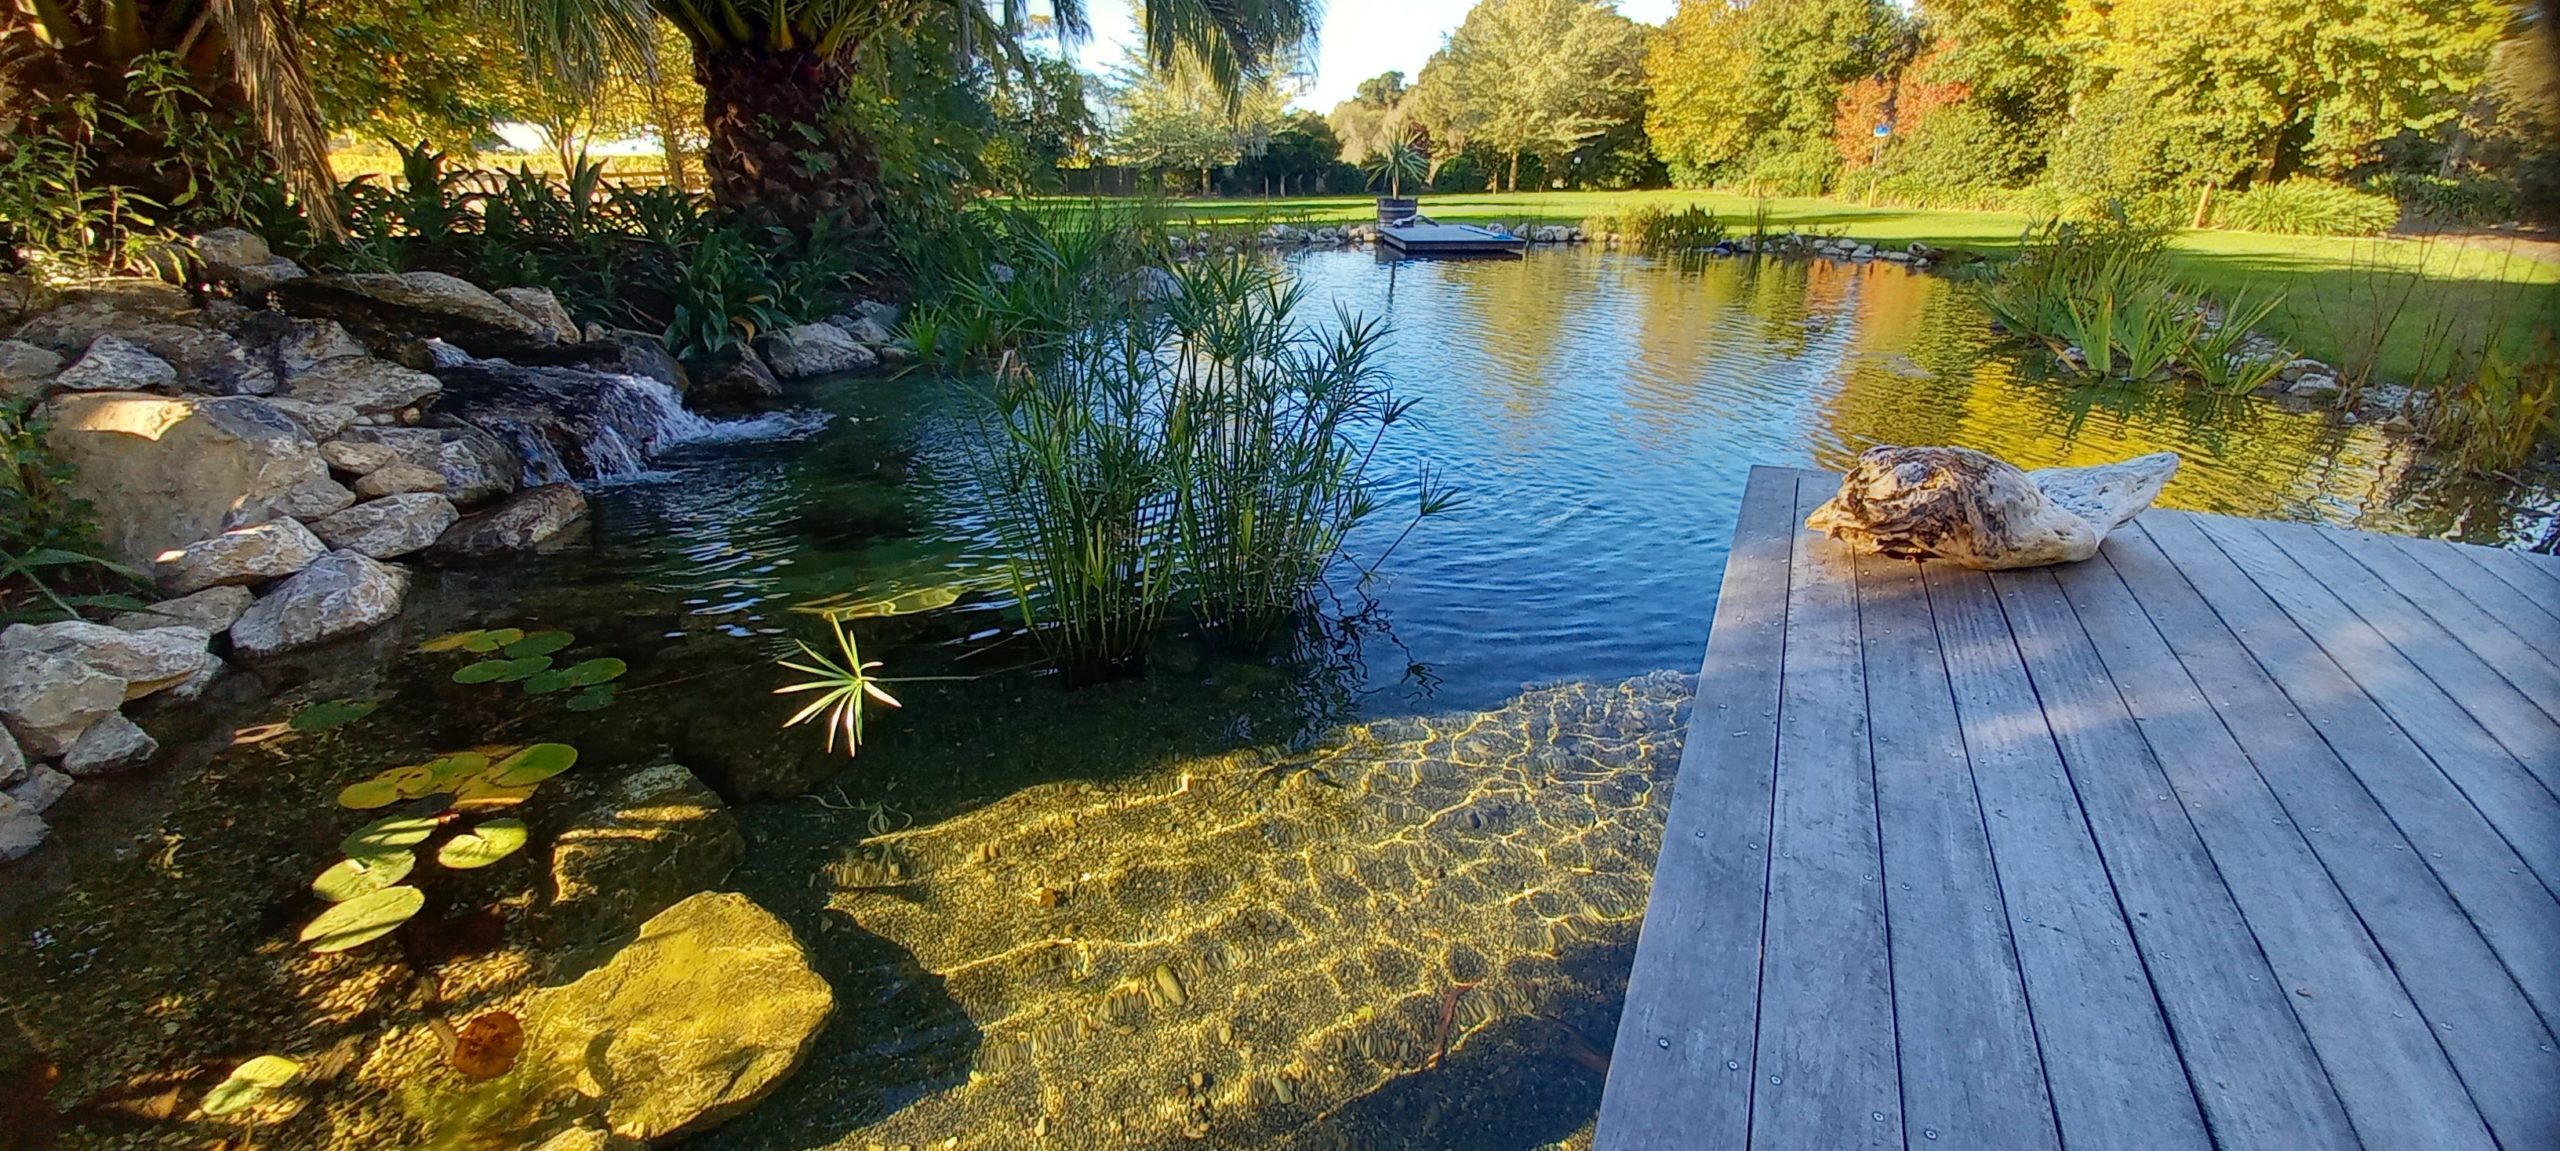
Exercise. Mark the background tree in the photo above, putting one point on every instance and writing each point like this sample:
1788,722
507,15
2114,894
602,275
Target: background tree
1044,123
1180,117
1537,77
1751,92
1301,156
1374,117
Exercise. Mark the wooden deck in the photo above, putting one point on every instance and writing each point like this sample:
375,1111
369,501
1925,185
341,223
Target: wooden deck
2240,835
1450,240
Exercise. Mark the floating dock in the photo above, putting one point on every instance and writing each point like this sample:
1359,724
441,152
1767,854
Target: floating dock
2238,835
1450,240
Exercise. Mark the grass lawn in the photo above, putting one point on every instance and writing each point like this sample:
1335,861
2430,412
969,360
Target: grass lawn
2397,302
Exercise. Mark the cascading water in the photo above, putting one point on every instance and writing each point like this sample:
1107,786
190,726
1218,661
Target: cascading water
572,425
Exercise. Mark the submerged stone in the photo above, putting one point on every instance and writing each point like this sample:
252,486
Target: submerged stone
21,831
659,836
110,745
522,522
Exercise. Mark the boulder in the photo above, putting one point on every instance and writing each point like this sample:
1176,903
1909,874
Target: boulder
814,350
24,367
522,522
388,527
193,687
372,387
114,364
690,1024
49,699
41,789
477,466
207,361
390,307
226,249
260,278
339,595
314,498
239,557
659,836
735,378
290,346
361,458
108,306
880,312
864,329
13,760
319,422
540,306
162,473
146,660
211,611
1979,512
399,478
110,745
21,831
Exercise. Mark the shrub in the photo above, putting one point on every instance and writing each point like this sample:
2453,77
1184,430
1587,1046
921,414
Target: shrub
1654,228
2307,207
2467,201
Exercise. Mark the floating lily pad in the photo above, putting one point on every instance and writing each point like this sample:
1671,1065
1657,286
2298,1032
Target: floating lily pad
493,639
907,602
540,643
534,764
331,713
453,641
596,698
502,670
388,834
445,770
596,671
362,875
366,795
363,919
482,845
556,679
248,1083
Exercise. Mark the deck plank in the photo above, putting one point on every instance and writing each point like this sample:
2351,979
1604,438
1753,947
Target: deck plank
2472,624
2493,595
2499,1046
2252,1066
2517,804
2371,1042
2528,578
1827,1073
1683,1065
1971,1075
2114,1074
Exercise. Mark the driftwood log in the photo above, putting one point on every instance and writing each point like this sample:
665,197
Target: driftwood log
1977,511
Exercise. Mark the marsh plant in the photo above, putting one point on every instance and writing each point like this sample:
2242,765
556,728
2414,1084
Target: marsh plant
1654,229
2101,293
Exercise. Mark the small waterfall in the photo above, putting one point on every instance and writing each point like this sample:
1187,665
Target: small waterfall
572,425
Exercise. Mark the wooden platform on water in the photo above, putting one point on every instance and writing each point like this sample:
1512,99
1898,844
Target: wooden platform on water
2240,835
1450,240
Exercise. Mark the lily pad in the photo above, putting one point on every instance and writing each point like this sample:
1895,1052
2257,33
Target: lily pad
362,875
540,643
363,919
502,670
331,713
596,671
534,764
596,698
906,602
453,641
556,679
445,770
366,795
386,835
481,793
248,1083
493,639
482,845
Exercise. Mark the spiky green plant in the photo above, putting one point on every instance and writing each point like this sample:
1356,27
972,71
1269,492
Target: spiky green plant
844,684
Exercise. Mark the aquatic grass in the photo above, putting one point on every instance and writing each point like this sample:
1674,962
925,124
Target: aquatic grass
1654,228
2494,417
2220,352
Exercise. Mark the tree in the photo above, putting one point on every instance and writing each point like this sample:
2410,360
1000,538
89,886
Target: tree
1302,153
1751,91
1043,123
1534,77
1179,117
1374,118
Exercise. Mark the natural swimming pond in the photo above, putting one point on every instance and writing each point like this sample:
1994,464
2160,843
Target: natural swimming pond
1377,890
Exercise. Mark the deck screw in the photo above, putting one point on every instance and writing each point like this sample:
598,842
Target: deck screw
1774,1081
1664,1043
1736,1064
1931,1132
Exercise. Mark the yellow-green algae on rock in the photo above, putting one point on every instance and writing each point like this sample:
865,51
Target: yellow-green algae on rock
1240,951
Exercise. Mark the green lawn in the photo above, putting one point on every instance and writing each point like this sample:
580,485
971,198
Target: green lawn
2402,300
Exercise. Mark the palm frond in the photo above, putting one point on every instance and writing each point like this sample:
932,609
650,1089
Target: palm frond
266,61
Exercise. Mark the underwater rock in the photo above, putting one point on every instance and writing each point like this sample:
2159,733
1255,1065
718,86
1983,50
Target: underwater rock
21,831
340,594
390,527
146,660
212,610
41,789
659,837
163,473
110,745
241,556
399,479
589,1139
1979,512
386,308
541,307
524,521
48,699
814,350
690,1024
372,387
114,364
24,367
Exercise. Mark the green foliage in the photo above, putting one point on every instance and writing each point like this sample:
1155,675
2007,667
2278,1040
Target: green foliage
248,1083
845,688
2495,409
2469,201
2307,207
1177,117
1654,228
48,569
102,175
1746,93
362,919
331,713
367,898
1533,78
1398,161
491,841
2102,290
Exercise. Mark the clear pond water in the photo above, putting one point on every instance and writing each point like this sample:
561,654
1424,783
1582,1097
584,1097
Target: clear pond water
1379,890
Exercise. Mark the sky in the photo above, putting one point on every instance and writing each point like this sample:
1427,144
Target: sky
1362,38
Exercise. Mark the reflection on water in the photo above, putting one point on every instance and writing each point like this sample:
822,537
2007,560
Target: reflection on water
1366,892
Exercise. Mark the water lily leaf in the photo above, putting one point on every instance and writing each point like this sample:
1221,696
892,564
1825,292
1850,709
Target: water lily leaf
444,770
363,919
411,781
453,641
596,698
534,764
502,670
331,713
493,639
388,834
906,602
248,1083
540,643
482,845
366,795
556,679
596,671
482,793
362,875
486,1047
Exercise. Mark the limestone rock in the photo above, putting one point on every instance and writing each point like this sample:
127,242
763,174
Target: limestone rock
690,1024
736,378
388,527
341,594
1979,512
814,350
41,789
879,312
24,367
868,330
13,761
657,838
117,305
314,498
110,745
212,611
372,387
163,473
49,699
540,306
359,458
145,660
194,686
223,249
395,306
239,557
399,478
207,361
318,421
114,364
524,521
616,351
478,467
21,831
260,278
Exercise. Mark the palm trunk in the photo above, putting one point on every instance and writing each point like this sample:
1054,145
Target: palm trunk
776,156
